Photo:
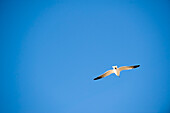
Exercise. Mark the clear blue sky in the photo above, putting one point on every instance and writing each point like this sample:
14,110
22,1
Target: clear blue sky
52,50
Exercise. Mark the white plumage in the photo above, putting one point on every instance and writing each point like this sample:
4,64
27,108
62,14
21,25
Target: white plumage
116,71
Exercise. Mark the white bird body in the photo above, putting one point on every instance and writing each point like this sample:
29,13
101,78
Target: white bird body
116,71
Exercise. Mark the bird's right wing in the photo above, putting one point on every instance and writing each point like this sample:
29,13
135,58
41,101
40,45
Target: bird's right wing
107,73
127,67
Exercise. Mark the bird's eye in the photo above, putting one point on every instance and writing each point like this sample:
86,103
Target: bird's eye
115,67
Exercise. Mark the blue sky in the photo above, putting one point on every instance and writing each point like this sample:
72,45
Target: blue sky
52,51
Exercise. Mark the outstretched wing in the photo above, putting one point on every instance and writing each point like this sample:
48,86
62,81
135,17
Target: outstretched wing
127,67
107,73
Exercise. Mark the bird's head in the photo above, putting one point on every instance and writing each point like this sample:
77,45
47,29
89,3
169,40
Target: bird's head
114,67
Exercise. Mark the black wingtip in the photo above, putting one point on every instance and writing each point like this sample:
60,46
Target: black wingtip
136,66
97,78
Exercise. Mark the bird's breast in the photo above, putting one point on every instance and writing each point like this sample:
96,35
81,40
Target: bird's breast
116,72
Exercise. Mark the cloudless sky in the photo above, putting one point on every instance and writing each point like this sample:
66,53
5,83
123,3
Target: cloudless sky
52,50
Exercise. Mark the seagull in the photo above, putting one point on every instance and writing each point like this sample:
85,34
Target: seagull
116,71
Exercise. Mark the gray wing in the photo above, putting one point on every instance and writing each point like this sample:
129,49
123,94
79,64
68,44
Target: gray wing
107,73
128,67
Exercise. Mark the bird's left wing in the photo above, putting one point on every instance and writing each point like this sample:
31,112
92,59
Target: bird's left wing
127,67
107,73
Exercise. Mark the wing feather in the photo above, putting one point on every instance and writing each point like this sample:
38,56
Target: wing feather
107,73
128,67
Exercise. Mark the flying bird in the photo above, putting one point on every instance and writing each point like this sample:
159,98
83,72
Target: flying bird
116,71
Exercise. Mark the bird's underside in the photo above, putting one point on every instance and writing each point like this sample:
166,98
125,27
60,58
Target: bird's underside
116,71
